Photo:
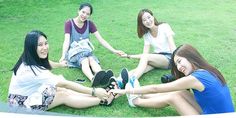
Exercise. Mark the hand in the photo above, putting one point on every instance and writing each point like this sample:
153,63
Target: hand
101,93
125,56
62,59
63,63
117,91
119,52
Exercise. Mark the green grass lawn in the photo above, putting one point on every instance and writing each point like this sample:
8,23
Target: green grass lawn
210,26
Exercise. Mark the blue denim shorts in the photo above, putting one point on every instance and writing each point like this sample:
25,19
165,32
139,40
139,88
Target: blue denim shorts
76,60
168,56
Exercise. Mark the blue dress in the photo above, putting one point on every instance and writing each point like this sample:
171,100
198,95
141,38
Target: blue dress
216,97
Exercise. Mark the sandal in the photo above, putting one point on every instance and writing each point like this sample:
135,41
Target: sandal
112,85
108,101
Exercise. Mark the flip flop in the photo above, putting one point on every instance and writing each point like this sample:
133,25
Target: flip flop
97,78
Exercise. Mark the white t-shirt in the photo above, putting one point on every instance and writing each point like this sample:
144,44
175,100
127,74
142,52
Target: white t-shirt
159,43
25,82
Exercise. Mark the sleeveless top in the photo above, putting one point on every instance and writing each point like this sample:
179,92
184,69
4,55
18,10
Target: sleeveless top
76,36
79,42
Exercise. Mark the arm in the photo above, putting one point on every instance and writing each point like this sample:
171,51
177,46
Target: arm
184,83
56,65
65,47
171,43
146,49
107,45
189,82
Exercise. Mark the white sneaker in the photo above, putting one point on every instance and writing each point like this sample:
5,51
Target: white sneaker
132,84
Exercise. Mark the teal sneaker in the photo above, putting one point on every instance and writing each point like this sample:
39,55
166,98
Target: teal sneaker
124,78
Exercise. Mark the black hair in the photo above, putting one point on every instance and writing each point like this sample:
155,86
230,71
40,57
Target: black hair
29,55
86,5
195,58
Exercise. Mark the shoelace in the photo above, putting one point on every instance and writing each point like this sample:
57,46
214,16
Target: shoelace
131,81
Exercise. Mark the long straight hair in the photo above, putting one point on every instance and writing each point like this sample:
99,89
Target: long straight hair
29,55
141,29
197,61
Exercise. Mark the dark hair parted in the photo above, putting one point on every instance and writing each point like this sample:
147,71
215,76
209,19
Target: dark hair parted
197,61
141,29
29,55
86,5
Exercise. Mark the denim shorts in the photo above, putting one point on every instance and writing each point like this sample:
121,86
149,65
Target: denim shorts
168,56
75,61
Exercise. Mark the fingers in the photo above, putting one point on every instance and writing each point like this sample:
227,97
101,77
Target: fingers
63,63
116,91
102,93
119,52
124,55
111,91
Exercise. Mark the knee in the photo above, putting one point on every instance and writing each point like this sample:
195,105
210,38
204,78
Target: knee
63,93
136,102
174,97
85,61
91,60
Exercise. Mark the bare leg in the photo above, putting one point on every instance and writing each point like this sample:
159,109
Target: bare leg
147,69
73,99
191,100
86,69
94,65
174,99
148,62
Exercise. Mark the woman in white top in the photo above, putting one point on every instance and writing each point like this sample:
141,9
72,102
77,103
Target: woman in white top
160,37
33,86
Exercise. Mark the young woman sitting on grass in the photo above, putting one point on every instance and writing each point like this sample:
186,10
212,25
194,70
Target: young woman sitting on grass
199,89
156,35
77,49
33,86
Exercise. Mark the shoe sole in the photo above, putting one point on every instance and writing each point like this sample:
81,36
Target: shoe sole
97,78
125,77
106,78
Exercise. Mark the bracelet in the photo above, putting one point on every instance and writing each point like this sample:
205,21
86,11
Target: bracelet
93,92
